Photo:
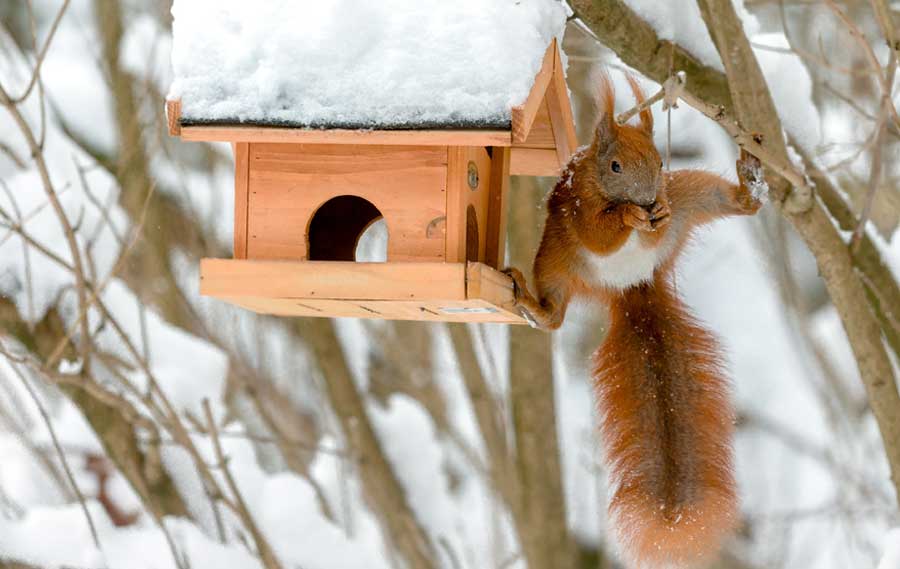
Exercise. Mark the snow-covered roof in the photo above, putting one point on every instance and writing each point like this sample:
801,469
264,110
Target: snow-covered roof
385,64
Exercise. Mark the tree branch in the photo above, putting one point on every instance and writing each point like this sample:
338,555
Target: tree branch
380,486
755,110
546,541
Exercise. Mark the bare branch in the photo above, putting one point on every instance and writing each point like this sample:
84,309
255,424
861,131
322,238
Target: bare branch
35,75
48,422
834,260
262,545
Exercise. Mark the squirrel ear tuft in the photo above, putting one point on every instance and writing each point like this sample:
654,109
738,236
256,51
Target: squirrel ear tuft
606,129
646,114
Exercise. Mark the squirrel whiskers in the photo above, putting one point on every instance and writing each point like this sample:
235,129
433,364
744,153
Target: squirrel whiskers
616,224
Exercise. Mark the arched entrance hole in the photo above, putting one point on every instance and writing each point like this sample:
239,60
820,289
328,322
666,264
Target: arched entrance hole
336,228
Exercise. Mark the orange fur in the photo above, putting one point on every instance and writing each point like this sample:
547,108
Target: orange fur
666,426
616,224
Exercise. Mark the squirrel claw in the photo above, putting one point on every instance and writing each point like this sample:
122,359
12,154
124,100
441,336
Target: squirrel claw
753,187
529,318
749,168
660,214
518,282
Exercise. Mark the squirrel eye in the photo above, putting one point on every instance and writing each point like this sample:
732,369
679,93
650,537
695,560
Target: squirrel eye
616,167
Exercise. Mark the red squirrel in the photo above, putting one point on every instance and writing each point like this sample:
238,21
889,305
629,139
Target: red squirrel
616,224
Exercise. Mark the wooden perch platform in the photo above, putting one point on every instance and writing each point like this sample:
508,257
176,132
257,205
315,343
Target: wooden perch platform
448,292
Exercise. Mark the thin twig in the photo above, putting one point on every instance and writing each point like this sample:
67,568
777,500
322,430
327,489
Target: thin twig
62,455
98,290
870,57
26,253
35,75
624,117
17,160
34,213
877,157
265,551
47,184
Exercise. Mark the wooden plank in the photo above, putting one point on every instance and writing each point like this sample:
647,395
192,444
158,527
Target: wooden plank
289,182
541,135
490,285
561,117
457,186
478,199
332,280
523,115
302,307
340,136
534,162
173,117
241,198
476,311
470,292
495,235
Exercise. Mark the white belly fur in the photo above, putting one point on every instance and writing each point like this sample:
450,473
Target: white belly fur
629,265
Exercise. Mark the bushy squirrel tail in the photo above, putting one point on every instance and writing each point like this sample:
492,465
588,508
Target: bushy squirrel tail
666,425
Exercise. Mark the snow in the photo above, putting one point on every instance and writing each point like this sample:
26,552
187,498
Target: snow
359,64
756,183
891,559
418,457
679,21
791,88
141,547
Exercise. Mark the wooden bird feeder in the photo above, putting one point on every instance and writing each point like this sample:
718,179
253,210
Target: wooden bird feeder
303,198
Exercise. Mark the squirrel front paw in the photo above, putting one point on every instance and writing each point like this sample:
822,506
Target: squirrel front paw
753,188
649,218
519,282
636,217
660,213
520,293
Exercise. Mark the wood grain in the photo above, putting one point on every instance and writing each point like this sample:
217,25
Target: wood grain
523,115
534,162
241,196
541,134
446,292
333,280
289,182
339,136
455,251
476,311
495,235
479,198
173,117
561,117
492,286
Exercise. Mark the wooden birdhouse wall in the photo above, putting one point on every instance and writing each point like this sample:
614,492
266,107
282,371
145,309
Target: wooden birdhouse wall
468,183
313,201
287,184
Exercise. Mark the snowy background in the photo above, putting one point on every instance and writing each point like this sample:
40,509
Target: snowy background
108,443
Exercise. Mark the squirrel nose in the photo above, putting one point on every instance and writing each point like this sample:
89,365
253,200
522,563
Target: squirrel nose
646,195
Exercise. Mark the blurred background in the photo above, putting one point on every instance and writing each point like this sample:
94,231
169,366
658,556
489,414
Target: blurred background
163,429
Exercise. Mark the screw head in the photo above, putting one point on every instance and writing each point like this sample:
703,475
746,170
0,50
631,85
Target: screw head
473,176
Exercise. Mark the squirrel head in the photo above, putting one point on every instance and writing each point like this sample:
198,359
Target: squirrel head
622,160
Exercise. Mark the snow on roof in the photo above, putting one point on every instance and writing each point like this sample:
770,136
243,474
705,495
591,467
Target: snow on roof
359,63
